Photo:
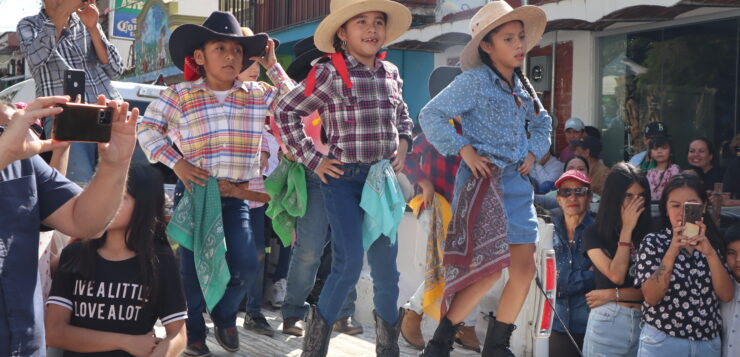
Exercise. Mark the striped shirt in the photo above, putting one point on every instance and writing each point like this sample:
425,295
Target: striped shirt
225,139
48,58
363,124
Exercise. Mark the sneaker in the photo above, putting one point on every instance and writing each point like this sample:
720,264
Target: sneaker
277,293
197,349
293,326
256,322
228,338
348,326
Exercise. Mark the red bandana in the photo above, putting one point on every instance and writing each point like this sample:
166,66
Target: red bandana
191,69
338,61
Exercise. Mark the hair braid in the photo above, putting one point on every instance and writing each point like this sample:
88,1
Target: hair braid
528,87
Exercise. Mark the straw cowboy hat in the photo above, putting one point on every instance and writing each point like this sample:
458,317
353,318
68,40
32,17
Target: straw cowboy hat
340,11
495,14
218,26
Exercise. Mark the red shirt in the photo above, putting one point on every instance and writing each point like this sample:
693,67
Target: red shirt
425,162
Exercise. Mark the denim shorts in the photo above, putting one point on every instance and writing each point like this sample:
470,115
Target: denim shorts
613,330
656,343
518,202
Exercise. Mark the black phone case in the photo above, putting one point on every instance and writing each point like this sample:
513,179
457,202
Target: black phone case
74,83
692,213
83,123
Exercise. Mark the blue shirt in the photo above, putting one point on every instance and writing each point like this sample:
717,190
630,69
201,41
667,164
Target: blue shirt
492,122
574,277
30,191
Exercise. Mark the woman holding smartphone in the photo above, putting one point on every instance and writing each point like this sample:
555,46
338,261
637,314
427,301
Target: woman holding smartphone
683,278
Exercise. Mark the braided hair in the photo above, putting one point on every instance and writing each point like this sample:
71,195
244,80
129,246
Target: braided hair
486,59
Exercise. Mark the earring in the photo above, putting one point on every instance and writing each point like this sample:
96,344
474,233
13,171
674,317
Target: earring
344,44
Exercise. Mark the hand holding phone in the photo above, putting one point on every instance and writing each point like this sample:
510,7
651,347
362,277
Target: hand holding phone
692,213
83,123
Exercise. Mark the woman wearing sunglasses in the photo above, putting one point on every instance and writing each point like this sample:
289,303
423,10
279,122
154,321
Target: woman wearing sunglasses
574,270
623,219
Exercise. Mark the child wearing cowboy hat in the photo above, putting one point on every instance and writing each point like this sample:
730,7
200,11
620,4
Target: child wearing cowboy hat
358,97
499,108
217,123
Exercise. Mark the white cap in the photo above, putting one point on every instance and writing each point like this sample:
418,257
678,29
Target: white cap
575,124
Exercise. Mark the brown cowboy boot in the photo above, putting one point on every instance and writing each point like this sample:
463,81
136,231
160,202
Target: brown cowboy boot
467,338
411,329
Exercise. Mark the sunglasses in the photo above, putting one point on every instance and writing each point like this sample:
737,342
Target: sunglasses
579,192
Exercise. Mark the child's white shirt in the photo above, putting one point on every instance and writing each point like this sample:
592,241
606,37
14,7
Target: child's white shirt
731,325
221,95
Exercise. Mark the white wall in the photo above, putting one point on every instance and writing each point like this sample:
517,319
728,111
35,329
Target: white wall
201,8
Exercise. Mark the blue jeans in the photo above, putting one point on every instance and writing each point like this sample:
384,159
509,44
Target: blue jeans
241,257
656,343
613,330
342,201
312,236
254,292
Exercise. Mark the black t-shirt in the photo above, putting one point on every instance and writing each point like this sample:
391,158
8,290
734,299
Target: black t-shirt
731,182
714,175
114,301
593,240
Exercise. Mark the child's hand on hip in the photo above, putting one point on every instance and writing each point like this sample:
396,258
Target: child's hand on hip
477,164
329,167
527,165
187,172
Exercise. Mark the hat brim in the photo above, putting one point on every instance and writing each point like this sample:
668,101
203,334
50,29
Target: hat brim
399,21
441,77
189,37
299,68
535,22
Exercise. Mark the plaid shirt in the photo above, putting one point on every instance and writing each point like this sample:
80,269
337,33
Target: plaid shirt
225,139
362,123
48,58
425,162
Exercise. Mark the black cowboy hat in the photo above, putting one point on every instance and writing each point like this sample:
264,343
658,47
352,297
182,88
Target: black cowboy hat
305,53
219,25
441,77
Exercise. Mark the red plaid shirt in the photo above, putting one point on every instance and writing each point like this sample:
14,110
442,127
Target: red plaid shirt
363,124
425,162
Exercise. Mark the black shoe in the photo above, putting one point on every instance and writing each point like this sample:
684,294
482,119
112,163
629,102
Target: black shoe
256,322
228,338
293,326
317,335
498,336
348,326
197,349
386,336
441,344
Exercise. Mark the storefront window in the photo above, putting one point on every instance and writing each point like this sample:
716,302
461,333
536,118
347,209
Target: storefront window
684,76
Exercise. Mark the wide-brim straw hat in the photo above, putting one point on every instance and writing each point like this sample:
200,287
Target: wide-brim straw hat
340,11
494,15
218,26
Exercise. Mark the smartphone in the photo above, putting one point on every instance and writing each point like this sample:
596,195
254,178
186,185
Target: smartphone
74,83
692,213
83,123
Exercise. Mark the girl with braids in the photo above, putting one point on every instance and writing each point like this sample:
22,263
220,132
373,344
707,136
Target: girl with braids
494,222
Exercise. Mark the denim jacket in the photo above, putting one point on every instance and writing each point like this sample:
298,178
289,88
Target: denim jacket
574,277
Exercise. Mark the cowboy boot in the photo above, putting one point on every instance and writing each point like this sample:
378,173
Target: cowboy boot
498,336
317,335
444,336
386,336
411,329
467,338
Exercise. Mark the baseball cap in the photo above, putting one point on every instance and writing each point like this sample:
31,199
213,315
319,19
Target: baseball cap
591,143
573,174
655,129
575,124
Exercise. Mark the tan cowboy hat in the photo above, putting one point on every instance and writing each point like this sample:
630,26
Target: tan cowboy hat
340,11
495,14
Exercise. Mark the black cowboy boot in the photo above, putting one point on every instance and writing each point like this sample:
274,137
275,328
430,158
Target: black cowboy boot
317,335
386,336
441,344
498,336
